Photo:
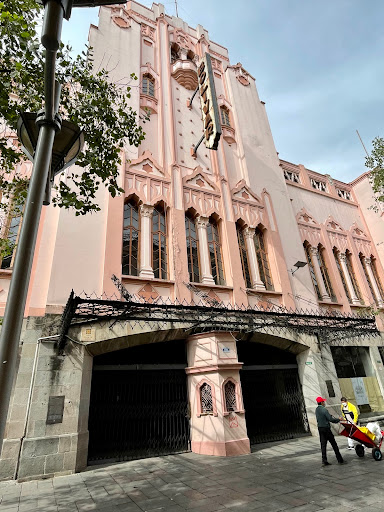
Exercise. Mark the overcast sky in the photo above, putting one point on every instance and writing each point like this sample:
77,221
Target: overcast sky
318,66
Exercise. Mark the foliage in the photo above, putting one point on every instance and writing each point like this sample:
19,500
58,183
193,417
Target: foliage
375,162
88,98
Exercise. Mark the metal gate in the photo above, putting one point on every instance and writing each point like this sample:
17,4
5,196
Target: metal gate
274,404
138,413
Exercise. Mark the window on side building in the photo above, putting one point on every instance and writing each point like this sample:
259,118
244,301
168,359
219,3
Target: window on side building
325,273
352,275
148,85
336,254
9,238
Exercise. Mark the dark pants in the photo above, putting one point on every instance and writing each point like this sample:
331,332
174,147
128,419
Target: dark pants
325,436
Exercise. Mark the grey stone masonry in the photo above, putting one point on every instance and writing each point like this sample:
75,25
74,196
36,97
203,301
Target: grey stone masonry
275,477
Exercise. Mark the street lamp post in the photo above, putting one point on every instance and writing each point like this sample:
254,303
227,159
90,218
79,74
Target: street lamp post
49,123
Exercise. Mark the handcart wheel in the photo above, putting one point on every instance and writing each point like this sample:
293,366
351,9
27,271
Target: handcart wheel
359,449
376,454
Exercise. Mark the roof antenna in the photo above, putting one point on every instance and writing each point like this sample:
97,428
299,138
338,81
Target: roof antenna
362,143
177,14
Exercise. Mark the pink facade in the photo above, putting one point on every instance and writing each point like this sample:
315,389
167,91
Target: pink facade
225,226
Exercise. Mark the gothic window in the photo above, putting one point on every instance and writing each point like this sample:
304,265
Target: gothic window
377,278
308,254
344,194
206,401
192,249
9,238
339,268
175,52
224,113
325,274
243,256
319,185
148,85
291,176
352,275
262,259
159,243
230,396
130,239
214,248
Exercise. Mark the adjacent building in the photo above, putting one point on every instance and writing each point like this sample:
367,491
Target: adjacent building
213,300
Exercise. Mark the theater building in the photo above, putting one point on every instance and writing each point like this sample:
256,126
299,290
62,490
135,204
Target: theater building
214,299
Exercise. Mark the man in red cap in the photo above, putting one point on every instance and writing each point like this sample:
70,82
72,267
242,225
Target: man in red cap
324,420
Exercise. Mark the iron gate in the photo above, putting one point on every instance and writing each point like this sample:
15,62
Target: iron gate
136,414
274,404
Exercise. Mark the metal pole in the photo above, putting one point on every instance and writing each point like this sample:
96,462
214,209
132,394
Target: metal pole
17,296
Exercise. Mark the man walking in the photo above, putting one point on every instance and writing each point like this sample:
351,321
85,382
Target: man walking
350,413
323,423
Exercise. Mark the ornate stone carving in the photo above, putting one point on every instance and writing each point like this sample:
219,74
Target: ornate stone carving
146,210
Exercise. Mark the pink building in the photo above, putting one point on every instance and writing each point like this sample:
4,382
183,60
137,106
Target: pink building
221,336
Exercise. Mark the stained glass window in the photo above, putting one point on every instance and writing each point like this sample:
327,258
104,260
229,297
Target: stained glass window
192,250
130,239
214,248
159,243
262,259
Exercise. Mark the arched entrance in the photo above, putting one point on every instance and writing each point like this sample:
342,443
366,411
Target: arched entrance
273,399
138,403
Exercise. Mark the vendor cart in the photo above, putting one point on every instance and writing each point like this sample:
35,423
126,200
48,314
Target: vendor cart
364,438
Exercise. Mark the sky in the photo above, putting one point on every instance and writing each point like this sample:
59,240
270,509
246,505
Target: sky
318,66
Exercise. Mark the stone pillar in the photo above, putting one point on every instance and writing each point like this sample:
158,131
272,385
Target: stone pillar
146,212
343,263
257,283
320,282
376,290
212,361
205,264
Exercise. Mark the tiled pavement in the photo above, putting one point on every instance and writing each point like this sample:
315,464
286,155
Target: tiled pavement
280,476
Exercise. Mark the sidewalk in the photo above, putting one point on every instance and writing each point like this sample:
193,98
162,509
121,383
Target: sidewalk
281,476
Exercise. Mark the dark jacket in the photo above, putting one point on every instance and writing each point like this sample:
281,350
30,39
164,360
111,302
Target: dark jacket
323,417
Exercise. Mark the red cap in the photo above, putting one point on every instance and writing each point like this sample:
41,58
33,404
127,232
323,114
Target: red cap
319,399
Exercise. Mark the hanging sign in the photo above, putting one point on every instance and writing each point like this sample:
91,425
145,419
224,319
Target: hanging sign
209,107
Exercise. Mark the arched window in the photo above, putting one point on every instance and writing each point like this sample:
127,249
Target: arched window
339,268
214,248
159,243
224,113
130,239
206,401
325,274
148,85
307,249
192,249
377,277
175,52
9,239
262,259
243,256
352,275
230,396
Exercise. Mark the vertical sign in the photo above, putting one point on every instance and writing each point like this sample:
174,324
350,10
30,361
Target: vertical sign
210,110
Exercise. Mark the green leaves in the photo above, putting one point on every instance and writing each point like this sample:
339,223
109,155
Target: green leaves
375,162
89,99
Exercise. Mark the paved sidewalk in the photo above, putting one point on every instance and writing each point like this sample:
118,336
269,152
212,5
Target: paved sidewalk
280,476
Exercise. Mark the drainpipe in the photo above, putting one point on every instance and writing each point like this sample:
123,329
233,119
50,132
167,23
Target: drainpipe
47,339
